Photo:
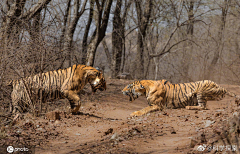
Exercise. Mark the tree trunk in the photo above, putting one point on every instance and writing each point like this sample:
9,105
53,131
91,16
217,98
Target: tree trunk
35,28
85,37
143,20
139,56
12,24
220,43
92,47
117,40
187,53
109,59
99,33
15,18
70,29
65,19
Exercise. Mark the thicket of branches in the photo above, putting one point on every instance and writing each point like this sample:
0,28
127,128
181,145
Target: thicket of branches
181,41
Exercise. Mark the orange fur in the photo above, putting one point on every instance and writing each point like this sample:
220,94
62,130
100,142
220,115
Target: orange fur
66,83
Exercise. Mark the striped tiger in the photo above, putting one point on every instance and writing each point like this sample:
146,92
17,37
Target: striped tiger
57,84
161,94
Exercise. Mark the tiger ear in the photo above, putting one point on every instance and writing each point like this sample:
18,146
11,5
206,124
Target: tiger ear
130,85
100,70
97,68
166,82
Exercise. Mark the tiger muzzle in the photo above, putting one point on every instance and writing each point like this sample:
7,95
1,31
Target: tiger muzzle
99,87
128,94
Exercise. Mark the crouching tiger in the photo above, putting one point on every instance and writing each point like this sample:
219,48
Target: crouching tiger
161,94
57,84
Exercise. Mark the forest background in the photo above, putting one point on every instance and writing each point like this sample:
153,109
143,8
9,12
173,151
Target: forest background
181,41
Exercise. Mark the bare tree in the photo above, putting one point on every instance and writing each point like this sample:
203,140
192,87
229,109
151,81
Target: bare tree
216,56
86,32
103,11
65,19
118,36
143,15
15,17
70,29
188,47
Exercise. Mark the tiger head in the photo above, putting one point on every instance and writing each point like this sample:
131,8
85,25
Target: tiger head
141,88
134,90
97,80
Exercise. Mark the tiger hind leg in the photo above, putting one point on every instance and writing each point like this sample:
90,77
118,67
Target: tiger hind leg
145,110
201,104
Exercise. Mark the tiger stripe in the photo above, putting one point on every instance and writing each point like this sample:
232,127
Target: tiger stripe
177,95
57,84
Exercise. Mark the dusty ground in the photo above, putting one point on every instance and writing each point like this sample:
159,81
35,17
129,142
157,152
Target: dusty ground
104,126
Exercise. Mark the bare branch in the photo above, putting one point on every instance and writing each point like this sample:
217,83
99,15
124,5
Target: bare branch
36,8
168,51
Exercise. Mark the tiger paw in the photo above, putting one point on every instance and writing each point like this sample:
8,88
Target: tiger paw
136,113
195,108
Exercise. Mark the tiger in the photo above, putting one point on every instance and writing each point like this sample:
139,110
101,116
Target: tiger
163,94
57,84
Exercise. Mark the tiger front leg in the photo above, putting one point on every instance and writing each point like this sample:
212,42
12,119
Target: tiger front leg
19,103
74,100
75,106
156,104
145,110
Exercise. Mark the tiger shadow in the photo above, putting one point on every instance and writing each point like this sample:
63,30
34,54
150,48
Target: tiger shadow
92,115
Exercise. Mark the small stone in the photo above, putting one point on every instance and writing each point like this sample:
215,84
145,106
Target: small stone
218,114
172,130
95,121
109,131
19,131
41,130
208,123
235,114
193,143
115,137
54,115
57,122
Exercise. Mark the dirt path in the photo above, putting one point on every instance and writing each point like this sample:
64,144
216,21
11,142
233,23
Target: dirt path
107,116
